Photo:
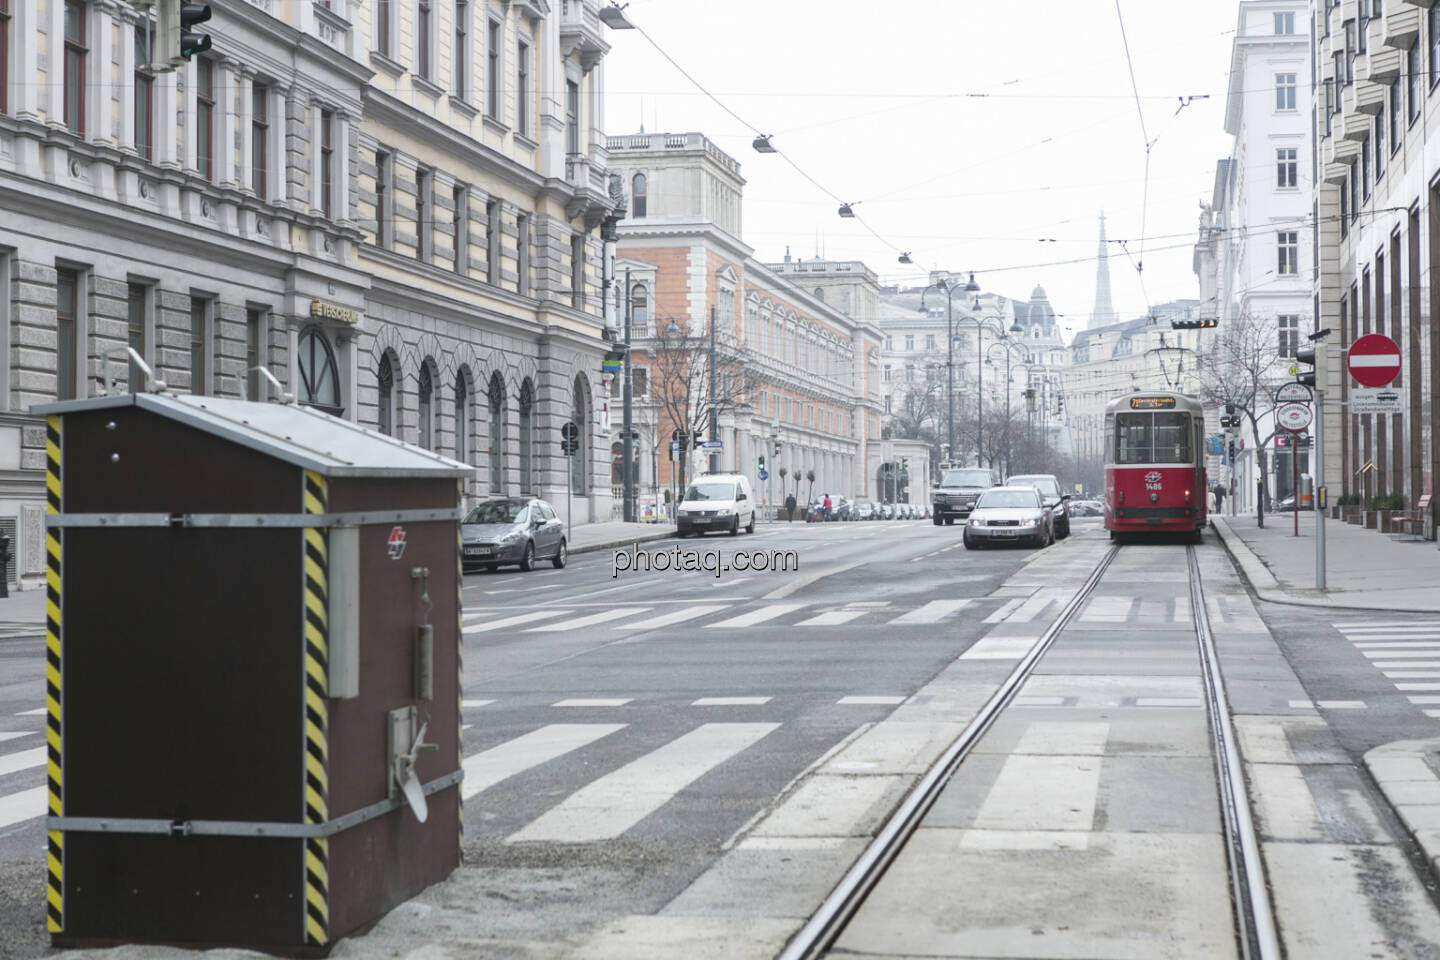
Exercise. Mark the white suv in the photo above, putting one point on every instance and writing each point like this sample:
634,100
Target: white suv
716,501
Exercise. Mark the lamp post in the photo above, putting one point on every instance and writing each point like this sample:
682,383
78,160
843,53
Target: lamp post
1010,347
714,413
627,468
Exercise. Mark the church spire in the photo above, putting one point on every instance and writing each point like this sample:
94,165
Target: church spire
1104,312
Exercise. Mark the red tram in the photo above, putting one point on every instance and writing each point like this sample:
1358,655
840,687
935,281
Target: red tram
1155,465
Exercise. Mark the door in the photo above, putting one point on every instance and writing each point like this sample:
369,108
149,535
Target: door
551,532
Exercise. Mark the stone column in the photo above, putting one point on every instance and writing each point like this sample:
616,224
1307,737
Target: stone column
24,50
279,180
314,119
226,78
128,29
55,64
186,77
245,174
99,75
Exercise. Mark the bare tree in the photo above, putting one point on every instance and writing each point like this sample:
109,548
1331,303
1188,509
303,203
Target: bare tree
681,379
1241,366
918,409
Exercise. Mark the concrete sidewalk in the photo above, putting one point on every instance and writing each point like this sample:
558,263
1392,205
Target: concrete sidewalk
1364,569
589,537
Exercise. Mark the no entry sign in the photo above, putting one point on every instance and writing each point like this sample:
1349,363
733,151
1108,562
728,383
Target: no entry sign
1374,360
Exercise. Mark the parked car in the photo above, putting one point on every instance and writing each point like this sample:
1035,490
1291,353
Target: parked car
1008,515
1288,505
864,510
1049,486
1085,508
716,501
842,509
887,511
512,530
955,495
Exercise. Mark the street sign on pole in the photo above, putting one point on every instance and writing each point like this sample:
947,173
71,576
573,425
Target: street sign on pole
1293,392
764,474
1374,360
1293,416
1375,400
712,444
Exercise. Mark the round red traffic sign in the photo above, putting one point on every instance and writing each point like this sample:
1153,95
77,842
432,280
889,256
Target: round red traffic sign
1293,416
1374,360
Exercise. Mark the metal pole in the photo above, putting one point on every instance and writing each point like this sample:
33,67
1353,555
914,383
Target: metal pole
1315,496
950,372
979,392
569,504
714,413
626,450
1295,478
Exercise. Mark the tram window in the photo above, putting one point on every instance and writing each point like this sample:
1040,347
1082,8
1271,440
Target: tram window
1152,438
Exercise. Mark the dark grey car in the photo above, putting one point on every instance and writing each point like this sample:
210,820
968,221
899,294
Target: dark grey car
515,530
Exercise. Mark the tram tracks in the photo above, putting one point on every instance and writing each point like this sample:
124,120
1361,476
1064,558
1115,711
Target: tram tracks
1256,935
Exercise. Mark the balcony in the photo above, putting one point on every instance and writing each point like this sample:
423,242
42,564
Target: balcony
1381,65
1362,97
1338,150
580,30
1402,25
1427,4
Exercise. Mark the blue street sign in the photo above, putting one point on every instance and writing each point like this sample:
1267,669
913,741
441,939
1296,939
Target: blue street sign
713,444
764,474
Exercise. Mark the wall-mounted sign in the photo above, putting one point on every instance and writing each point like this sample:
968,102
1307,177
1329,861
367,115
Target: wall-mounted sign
321,310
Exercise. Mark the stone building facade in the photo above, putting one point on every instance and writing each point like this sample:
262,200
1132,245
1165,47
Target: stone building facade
226,215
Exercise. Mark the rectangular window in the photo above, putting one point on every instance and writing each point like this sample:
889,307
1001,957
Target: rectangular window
522,241
1284,91
909,342
522,88
1412,75
135,313
492,70
1394,102
885,374
577,271
199,330
1349,73
327,162
460,55
929,341
460,204
424,19
1288,249
1285,167
1288,325
4,56
424,218
1152,438
572,117
1365,170
254,337
259,137
384,169
1379,148
144,95
67,327
205,118
1354,192
492,241
1433,16
889,343
639,382
76,53
383,28
1284,24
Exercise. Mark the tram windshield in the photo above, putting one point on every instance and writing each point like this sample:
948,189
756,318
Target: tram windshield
1152,438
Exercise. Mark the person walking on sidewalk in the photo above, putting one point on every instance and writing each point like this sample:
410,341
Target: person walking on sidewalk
1211,501
1219,497
789,507
827,506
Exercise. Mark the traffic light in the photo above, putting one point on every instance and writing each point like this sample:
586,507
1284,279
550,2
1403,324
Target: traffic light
777,448
1193,324
762,461
178,39
1305,356
1232,450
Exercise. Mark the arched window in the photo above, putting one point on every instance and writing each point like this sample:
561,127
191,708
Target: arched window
497,433
462,418
580,414
819,293
426,408
527,417
319,381
639,309
386,401
617,463
637,196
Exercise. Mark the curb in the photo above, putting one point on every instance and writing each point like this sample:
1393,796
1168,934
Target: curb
1412,788
1267,588
661,533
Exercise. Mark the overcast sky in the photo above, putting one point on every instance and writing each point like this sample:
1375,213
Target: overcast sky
976,136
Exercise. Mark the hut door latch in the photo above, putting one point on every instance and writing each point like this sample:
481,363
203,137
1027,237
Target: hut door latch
405,744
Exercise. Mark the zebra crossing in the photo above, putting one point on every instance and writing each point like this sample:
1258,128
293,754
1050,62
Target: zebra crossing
1406,652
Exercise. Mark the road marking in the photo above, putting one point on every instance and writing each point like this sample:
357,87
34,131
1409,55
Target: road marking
1433,713
869,701
485,769
1412,674
832,618
1301,705
609,806
1063,738
1005,610
1409,664
515,621
1400,645
1107,610
932,612
1066,803
1371,624
12,736
467,704
593,702
22,806
799,583
769,612
731,701
1341,704
1031,608
675,616
604,616
1424,701
1168,702
23,760
999,648
1417,686
37,712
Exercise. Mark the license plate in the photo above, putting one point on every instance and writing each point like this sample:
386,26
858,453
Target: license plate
477,551
1003,533
701,520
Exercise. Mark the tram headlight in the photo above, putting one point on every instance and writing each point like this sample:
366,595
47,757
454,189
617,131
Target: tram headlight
1154,498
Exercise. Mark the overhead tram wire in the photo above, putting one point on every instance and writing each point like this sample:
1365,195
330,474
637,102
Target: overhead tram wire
1149,144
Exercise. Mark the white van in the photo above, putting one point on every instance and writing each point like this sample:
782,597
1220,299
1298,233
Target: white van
717,501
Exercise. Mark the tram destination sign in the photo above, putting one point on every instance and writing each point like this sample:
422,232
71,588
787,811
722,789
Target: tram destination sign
1152,403
1294,392
1293,416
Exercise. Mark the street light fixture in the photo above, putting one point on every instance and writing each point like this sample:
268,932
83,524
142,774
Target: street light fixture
613,17
905,257
970,287
845,210
762,144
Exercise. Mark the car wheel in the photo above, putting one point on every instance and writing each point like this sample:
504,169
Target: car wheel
735,527
527,559
969,544
750,527
561,556
949,521
938,520
1064,531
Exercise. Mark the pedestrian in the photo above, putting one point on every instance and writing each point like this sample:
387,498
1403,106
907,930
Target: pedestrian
789,507
1219,497
827,506
1210,500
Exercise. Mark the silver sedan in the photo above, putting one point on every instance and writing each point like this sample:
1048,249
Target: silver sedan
1010,514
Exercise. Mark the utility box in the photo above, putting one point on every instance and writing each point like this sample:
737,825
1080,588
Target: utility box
253,673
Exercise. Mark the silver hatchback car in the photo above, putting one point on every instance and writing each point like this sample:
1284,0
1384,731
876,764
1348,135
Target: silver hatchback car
1010,514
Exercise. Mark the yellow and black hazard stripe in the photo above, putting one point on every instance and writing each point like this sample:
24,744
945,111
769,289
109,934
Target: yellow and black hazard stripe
55,858
459,665
317,720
